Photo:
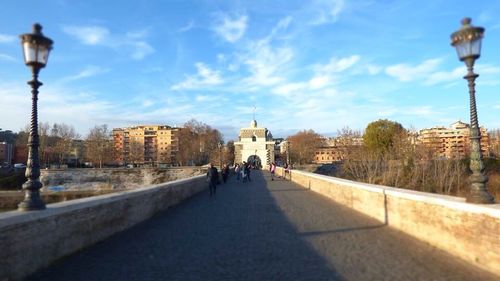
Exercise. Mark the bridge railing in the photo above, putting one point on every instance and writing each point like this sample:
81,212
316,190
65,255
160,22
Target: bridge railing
469,231
33,240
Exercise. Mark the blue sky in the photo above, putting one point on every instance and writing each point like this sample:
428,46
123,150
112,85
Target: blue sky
319,65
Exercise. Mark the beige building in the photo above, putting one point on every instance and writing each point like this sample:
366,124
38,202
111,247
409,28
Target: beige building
335,149
452,142
146,144
255,146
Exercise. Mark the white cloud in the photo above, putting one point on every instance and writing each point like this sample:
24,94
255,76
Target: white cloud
88,35
5,57
320,81
101,36
201,98
5,38
231,29
266,64
427,72
407,73
204,77
420,111
337,65
445,76
326,11
287,89
141,49
54,105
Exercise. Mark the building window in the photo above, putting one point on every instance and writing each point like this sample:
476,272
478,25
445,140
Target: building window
254,138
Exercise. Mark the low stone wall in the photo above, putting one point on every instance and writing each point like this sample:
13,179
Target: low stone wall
116,178
469,231
33,240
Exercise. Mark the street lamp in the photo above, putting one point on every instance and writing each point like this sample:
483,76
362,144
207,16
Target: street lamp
467,42
36,49
220,153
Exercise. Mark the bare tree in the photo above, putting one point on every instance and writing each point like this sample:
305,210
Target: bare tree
136,151
98,145
495,142
64,135
303,146
198,143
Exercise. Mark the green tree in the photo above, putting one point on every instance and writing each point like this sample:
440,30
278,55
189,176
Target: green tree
383,136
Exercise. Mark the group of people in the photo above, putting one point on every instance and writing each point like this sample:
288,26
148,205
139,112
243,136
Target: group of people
213,177
242,173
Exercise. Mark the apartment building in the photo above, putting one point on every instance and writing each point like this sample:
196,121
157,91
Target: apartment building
146,144
452,142
335,149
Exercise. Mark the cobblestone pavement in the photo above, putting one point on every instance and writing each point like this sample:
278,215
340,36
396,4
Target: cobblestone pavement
261,230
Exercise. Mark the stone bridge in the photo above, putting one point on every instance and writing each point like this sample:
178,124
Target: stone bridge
307,227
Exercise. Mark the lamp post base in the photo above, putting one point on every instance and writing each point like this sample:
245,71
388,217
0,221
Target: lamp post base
32,200
478,193
31,204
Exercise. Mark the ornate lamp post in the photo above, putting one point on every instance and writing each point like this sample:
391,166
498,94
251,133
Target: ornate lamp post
36,49
467,42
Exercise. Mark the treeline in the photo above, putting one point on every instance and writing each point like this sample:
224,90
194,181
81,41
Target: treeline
389,155
199,145
60,144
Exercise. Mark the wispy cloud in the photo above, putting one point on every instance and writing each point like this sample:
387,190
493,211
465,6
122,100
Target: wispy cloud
88,35
289,88
326,11
5,38
407,73
336,65
282,25
374,69
187,27
5,57
204,77
266,64
429,74
444,76
101,36
56,104
231,28
141,49
88,71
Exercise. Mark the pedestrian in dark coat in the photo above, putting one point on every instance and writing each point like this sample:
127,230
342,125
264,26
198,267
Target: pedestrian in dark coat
247,171
225,173
212,177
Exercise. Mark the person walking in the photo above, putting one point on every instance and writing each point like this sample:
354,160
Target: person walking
287,171
212,177
237,171
247,171
225,173
272,169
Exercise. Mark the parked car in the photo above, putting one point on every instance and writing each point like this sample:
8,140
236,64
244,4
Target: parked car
19,166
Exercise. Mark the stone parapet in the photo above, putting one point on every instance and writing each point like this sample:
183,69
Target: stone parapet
468,231
33,240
